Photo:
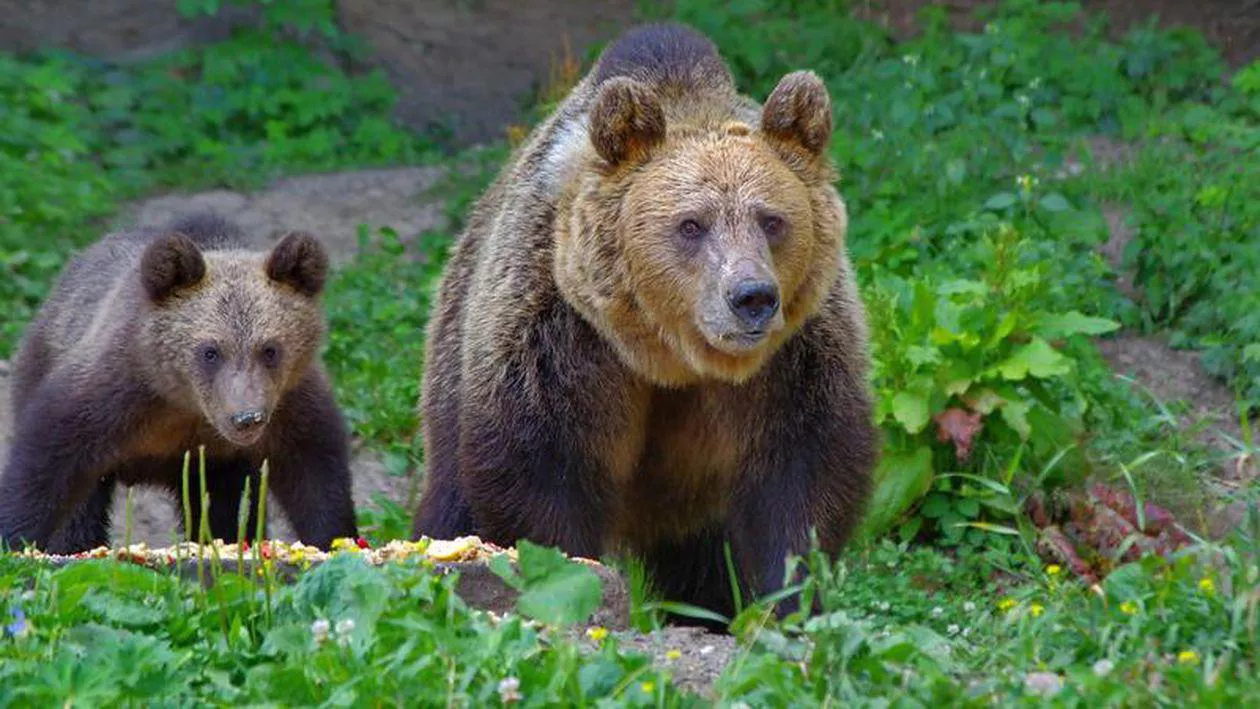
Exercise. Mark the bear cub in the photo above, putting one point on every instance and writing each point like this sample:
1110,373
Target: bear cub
154,342
648,338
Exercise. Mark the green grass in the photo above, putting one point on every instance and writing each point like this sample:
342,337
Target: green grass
977,251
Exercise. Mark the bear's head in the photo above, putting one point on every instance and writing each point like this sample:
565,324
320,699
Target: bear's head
696,242
228,333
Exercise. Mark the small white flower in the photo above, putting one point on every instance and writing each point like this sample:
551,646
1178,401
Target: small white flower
952,629
345,627
319,630
969,607
884,605
509,690
937,612
877,134
1043,683
1035,83
1023,100
1103,667
911,59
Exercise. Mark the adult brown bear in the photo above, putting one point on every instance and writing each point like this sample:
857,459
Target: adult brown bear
648,338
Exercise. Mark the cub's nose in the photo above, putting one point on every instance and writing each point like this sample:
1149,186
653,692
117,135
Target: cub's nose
754,302
246,420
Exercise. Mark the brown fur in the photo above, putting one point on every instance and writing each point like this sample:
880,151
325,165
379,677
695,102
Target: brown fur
589,379
155,342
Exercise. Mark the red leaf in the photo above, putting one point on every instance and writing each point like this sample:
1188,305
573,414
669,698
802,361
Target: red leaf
363,543
959,427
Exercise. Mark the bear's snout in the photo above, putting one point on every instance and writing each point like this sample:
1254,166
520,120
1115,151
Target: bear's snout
754,302
245,421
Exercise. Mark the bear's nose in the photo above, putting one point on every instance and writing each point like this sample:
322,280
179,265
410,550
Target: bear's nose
754,302
245,420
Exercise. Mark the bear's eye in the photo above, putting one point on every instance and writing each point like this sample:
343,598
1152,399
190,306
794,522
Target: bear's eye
691,229
270,355
210,354
773,226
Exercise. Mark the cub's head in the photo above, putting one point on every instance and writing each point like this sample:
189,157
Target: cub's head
230,332
698,242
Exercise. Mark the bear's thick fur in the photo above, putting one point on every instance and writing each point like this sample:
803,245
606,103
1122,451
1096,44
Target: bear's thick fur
648,337
154,342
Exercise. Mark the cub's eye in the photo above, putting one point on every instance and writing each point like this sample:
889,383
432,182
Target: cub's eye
691,229
210,354
270,355
773,226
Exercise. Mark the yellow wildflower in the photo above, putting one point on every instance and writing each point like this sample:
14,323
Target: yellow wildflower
1006,604
344,544
1036,609
1206,586
597,633
1188,657
673,655
1128,608
1053,569
648,687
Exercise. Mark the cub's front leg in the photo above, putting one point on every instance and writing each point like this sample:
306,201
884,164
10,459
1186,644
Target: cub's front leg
547,427
308,453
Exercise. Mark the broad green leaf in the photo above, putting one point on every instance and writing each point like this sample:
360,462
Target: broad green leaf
1054,326
1001,200
558,591
1055,202
1015,414
900,480
1037,358
911,411
1251,353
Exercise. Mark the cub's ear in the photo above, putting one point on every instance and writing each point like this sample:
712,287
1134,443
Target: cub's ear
299,261
170,264
798,113
626,121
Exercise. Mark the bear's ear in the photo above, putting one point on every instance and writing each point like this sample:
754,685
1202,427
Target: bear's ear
627,121
299,261
170,264
798,113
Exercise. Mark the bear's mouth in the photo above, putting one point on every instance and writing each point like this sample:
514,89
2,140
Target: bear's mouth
742,340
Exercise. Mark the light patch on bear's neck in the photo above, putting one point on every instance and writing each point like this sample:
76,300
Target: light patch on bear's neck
560,163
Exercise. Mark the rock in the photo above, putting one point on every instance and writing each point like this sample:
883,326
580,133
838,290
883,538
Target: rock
470,67
120,30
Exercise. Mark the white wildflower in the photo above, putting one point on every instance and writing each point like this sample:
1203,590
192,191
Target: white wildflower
937,612
953,629
969,607
319,630
1102,668
510,690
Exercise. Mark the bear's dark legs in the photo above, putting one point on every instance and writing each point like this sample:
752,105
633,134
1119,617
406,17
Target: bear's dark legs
88,526
770,518
532,479
308,457
694,571
225,486
444,513
65,439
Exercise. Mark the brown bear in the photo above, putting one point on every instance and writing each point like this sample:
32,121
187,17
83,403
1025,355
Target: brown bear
648,338
154,342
